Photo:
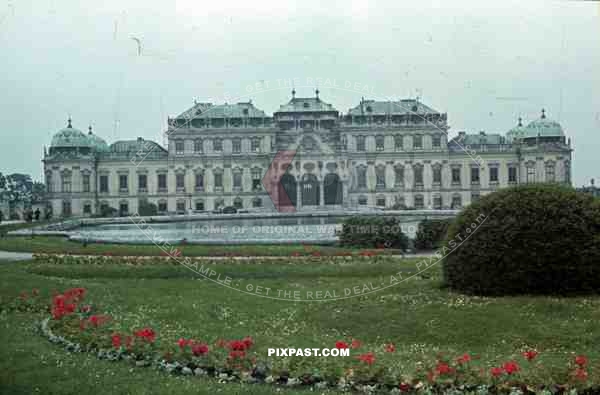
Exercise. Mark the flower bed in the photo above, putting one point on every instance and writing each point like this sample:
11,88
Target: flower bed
80,326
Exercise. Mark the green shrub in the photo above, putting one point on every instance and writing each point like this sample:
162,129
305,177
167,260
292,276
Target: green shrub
533,239
431,233
373,232
147,209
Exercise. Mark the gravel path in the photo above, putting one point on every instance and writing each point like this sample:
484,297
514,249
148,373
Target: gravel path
15,256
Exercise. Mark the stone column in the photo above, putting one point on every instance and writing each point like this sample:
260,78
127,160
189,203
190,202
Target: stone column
321,192
298,194
371,177
227,180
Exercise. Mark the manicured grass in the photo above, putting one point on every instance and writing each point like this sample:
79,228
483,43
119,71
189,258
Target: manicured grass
419,316
61,245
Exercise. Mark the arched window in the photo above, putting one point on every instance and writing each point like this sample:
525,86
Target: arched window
238,203
257,202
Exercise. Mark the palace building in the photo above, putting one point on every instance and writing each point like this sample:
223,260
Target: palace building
390,154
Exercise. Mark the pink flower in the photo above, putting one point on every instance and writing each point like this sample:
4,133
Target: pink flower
580,374
443,368
355,343
390,347
182,343
199,349
116,340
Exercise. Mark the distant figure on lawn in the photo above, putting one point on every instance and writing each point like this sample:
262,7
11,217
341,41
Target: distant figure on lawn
37,214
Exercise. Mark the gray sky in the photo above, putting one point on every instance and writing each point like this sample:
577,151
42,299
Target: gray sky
483,62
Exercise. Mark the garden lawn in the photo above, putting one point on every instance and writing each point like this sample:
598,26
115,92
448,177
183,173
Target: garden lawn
418,316
62,245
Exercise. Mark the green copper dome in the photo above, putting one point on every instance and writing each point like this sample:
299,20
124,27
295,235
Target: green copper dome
516,133
70,137
96,142
544,127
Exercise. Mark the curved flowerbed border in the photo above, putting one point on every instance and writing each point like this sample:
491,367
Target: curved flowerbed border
447,376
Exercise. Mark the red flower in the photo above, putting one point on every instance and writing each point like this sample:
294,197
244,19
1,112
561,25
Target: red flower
580,374
463,358
511,367
581,360
340,345
404,387
85,309
237,345
248,342
496,372
368,358
530,355
443,368
316,253
182,343
116,340
390,347
199,349
147,334
295,253
355,343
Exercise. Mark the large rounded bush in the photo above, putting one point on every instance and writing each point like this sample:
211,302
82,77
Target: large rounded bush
533,239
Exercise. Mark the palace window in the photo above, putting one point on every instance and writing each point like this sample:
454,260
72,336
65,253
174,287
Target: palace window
87,208
398,143
104,184
399,176
162,182
474,175
66,183
198,146
436,141
219,203
530,174
180,206
418,170
361,177
512,174
437,202
255,145
256,178
418,142
123,209
238,203
257,202
360,143
217,145
236,146
379,143
380,201
66,208
142,182
419,202
475,197
362,200
550,172
179,147
494,174
199,181
380,177
200,205
237,179
162,206
218,180
456,202
456,175
123,183
180,182
437,175
85,181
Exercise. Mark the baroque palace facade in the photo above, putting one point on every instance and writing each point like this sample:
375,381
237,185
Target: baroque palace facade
391,154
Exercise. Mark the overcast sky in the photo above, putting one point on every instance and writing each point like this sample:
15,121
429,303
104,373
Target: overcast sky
483,62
